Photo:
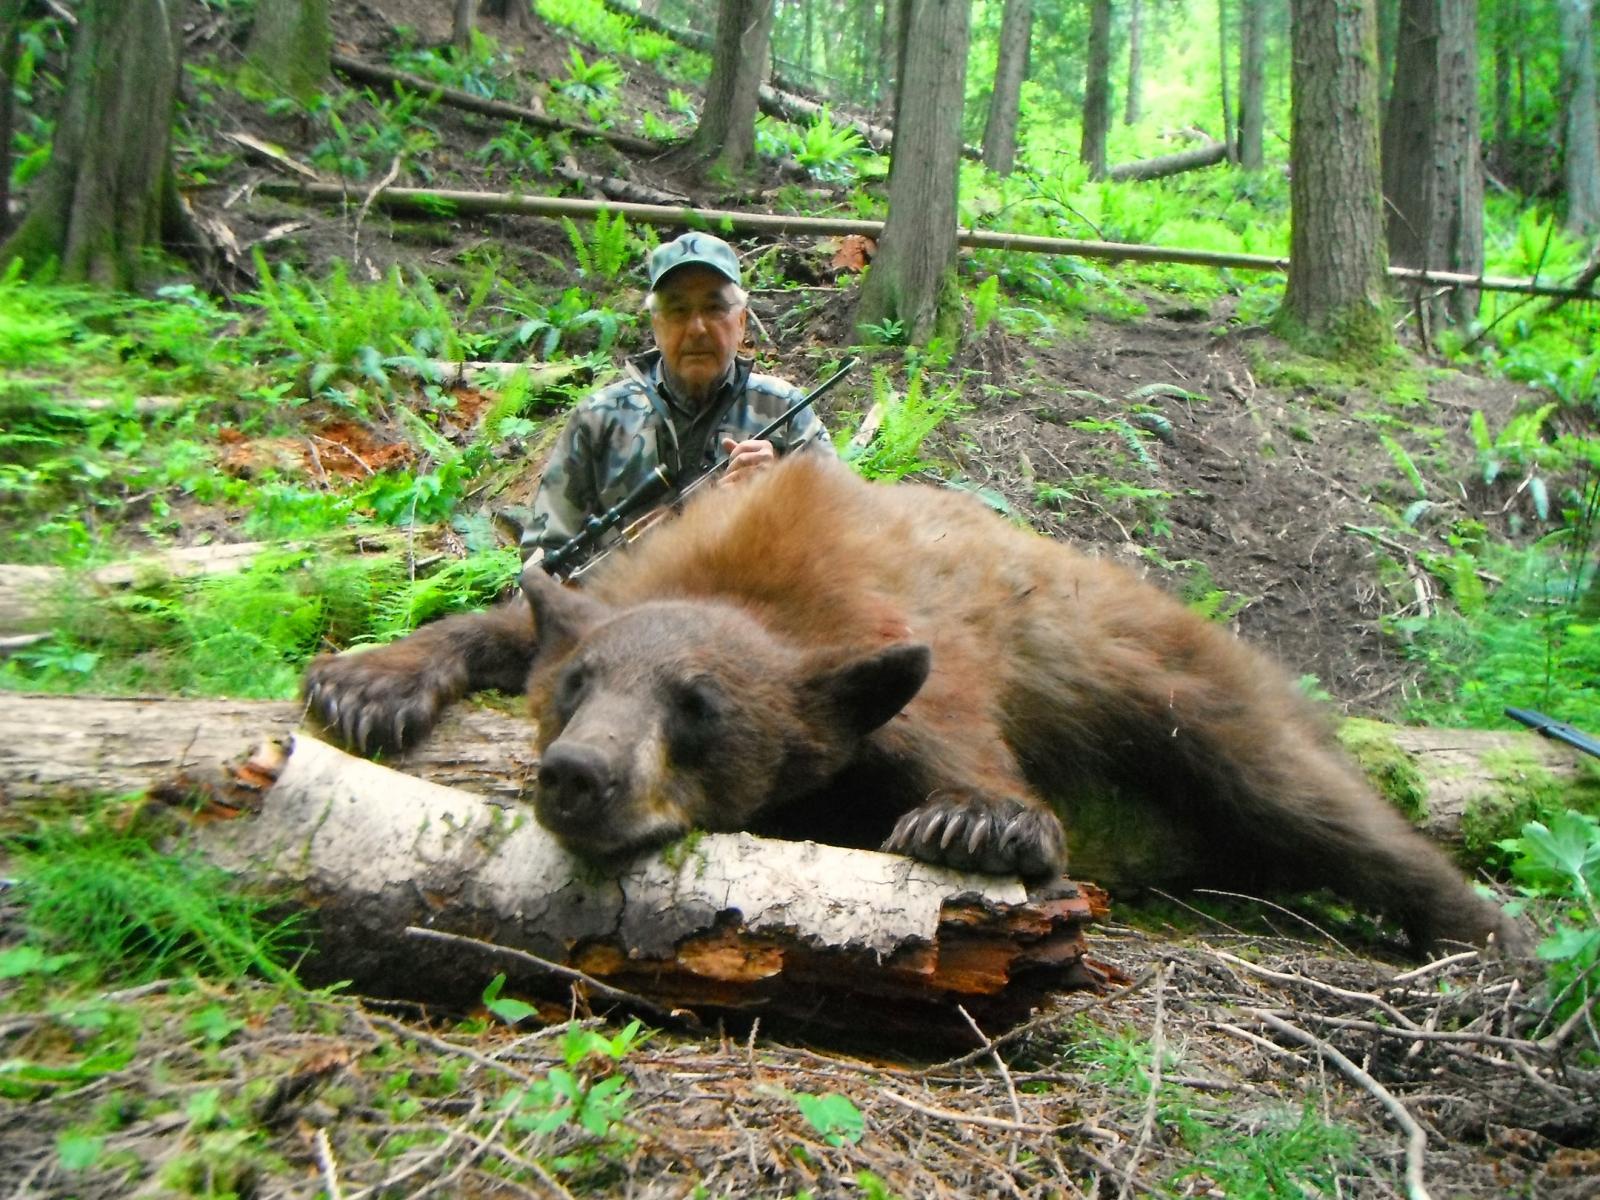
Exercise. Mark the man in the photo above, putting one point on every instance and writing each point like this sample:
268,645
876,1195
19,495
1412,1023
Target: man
681,405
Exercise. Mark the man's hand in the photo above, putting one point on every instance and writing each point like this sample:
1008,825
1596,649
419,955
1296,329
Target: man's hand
745,459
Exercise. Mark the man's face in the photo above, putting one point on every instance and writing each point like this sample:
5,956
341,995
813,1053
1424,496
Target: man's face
698,321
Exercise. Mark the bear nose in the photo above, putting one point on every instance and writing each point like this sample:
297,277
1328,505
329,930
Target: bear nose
575,782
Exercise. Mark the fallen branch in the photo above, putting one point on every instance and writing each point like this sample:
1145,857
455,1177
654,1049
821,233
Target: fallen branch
431,200
365,72
1416,1139
1208,155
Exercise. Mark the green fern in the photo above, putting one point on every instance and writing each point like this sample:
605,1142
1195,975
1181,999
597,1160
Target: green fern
907,421
606,251
1403,460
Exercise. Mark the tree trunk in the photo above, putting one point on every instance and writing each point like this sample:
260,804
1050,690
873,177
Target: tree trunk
1011,67
516,13
1335,299
1097,90
291,43
1432,180
1130,111
726,136
1580,121
888,57
1252,84
1222,80
461,23
912,279
1388,17
107,194
10,43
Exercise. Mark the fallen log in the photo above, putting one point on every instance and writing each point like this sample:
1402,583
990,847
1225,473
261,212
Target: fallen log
79,744
792,932
1208,155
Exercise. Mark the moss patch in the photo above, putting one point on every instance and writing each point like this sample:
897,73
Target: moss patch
1387,765
1522,789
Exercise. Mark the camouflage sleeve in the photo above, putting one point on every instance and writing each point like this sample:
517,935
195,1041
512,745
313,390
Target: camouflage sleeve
808,431
566,495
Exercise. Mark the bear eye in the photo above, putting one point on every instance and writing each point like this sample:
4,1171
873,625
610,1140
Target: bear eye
695,716
570,687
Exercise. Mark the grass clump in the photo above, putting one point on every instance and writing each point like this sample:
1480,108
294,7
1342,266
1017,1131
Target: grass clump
130,911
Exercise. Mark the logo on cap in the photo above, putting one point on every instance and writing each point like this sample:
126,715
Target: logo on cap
701,248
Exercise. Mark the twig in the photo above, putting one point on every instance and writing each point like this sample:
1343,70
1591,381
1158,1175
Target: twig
480,1145
1157,1050
361,213
1416,1139
674,1017
325,1160
1005,1074
1316,984
1288,912
444,1047
1437,964
1256,1039
957,1118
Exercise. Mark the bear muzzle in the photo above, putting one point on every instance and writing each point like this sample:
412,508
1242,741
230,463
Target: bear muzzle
578,788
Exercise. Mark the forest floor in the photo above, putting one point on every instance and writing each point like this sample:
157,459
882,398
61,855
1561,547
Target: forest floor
1246,1053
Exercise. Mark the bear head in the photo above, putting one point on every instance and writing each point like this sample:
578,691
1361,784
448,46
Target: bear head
676,714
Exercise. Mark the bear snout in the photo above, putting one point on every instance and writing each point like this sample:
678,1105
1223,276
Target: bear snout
577,787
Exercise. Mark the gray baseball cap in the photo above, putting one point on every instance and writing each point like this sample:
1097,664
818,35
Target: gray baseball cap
700,248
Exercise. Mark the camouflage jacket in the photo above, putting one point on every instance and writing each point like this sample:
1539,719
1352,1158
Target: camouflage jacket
618,435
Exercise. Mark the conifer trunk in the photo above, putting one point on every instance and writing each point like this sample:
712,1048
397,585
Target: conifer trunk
1335,301
911,282
1252,84
1097,90
726,136
291,43
1011,67
1431,177
107,192
1580,120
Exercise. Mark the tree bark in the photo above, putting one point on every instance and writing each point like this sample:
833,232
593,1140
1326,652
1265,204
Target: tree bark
1431,175
1252,84
1131,103
107,194
516,13
1206,155
1222,81
726,136
10,43
1580,121
912,280
1335,301
291,44
1011,68
888,57
1097,90
461,22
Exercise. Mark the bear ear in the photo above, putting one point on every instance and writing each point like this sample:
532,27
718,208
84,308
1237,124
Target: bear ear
561,615
866,692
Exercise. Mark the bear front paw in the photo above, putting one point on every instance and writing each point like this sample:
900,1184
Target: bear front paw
981,833
376,700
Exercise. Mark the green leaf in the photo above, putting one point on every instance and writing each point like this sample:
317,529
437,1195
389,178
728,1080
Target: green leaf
78,1151
213,1024
16,961
835,1117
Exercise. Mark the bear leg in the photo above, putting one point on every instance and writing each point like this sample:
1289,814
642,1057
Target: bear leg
975,832
389,697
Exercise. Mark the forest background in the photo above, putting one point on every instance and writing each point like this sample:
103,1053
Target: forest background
259,404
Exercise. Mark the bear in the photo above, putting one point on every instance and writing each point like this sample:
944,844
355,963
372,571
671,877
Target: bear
813,655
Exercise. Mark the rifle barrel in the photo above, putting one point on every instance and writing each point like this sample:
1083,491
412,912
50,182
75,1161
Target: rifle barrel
1556,730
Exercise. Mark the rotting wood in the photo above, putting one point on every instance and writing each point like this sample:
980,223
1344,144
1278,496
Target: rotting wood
61,744
365,72
726,923
429,201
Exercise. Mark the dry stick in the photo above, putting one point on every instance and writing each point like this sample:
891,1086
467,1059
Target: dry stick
1437,964
544,965
330,1169
429,200
480,1146
389,177
1288,912
1256,1039
957,1118
1458,1036
1416,1139
1005,1074
444,1047
1157,1049
1317,984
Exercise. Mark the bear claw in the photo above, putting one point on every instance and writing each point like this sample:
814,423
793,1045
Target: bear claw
372,707
1000,836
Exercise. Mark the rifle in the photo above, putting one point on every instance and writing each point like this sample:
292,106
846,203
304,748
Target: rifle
1556,730
582,550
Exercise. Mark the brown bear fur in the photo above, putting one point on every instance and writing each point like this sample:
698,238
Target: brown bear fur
813,655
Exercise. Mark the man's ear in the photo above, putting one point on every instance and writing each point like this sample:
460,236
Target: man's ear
561,615
864,693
